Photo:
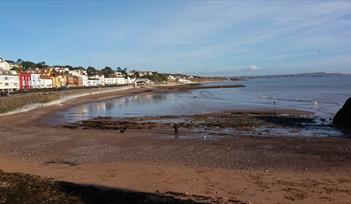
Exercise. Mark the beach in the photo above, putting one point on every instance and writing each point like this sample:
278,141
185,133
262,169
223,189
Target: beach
255,169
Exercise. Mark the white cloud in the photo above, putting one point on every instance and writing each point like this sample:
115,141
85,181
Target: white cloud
254,68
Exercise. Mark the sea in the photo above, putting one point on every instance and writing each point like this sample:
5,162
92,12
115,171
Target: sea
323,96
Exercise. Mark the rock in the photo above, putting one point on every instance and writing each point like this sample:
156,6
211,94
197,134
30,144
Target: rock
343,116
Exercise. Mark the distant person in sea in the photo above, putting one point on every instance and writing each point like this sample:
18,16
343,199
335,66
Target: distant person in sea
176,126
123,129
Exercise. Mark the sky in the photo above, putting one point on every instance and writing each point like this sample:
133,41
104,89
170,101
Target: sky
191,37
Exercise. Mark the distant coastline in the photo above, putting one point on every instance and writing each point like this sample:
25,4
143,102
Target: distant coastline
313,74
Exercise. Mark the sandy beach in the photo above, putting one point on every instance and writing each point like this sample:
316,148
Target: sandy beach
235,169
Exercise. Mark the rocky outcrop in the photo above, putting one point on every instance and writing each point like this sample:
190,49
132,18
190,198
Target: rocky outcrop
343,116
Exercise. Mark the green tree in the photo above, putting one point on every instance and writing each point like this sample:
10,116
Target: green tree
77,68
68,66
107,72
19,61
91,71
41,65
123,71
136,74
28,65
158,77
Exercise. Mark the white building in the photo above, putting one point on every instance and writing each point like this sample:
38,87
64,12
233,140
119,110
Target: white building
130,80
4,65
78,72
118,81
61,70
144,80
46,82
84,80
93,82
39,81
145,73
35,81
171,78
111,81
9,81
97,80
183,80
13,64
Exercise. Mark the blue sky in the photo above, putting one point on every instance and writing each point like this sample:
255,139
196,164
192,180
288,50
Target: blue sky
198,37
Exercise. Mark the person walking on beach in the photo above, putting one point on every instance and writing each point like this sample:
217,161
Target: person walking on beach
175,126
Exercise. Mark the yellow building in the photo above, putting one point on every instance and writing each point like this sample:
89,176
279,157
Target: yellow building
58,81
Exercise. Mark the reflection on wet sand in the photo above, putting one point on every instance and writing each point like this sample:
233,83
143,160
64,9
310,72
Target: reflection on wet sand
257,95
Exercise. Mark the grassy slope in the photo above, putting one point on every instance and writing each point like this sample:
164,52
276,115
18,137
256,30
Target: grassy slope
11,103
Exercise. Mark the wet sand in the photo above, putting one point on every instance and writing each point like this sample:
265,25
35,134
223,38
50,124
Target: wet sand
226,169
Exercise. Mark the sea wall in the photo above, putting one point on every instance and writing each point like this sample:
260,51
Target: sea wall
29,101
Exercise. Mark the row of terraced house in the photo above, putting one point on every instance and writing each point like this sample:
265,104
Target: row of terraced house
52,77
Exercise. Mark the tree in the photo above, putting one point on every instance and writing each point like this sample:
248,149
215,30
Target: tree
68,66
107,72
41,65
15,69
28,65
123,71
19,61
91,71
136,74
158,77
77,68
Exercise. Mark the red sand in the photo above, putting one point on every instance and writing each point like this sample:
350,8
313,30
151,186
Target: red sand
259,170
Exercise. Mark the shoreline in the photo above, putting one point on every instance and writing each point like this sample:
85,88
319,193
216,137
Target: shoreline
255,169
64,98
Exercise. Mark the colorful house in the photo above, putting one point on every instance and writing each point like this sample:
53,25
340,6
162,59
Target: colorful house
73,81
24,80
58,81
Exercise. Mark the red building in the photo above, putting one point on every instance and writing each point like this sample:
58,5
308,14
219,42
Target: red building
24,80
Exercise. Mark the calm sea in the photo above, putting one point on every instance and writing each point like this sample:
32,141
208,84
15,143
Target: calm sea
321,95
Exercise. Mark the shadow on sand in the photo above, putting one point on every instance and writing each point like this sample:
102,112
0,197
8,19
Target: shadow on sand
24,188
101,194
